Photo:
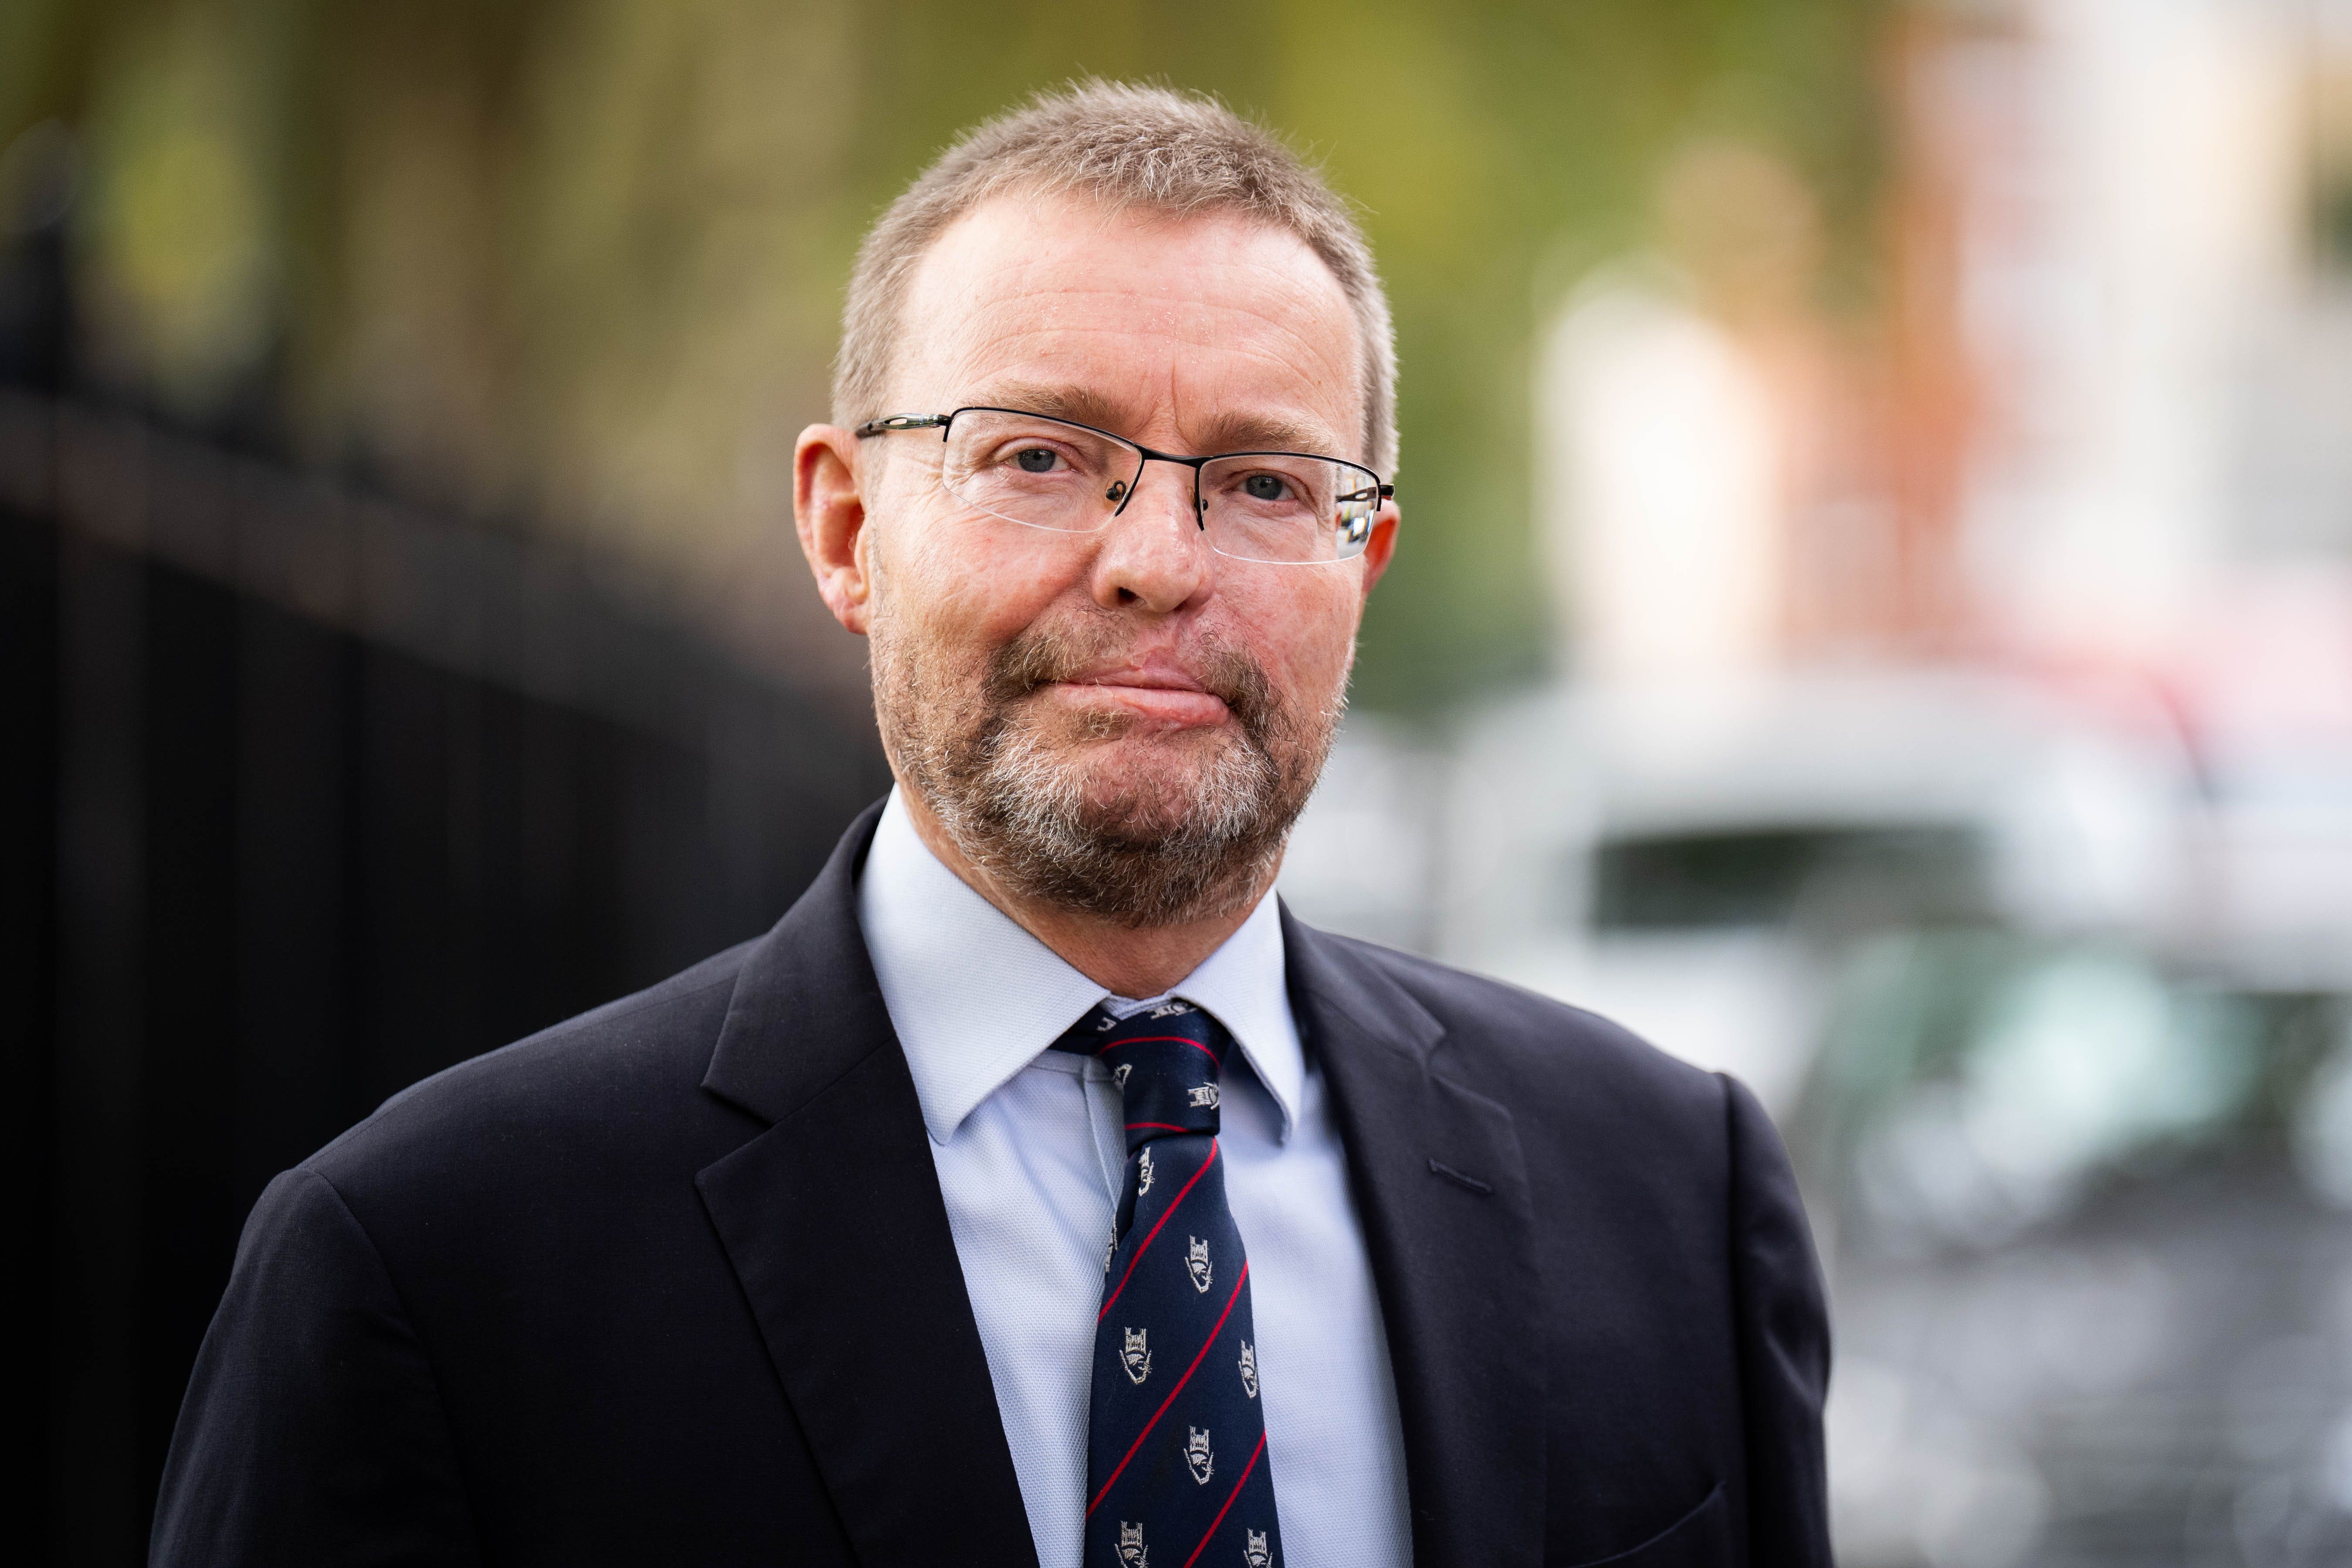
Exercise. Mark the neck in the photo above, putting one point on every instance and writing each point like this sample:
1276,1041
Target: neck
1125,960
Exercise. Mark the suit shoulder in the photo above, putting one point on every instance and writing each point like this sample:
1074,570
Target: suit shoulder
632,1062
1506,1034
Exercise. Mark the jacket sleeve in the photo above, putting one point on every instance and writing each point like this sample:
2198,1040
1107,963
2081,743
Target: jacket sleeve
1784,1345
313,1431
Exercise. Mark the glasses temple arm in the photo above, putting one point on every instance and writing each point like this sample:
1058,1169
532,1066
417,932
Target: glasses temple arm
894,422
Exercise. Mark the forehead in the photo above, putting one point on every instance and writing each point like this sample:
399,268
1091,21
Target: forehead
1202,332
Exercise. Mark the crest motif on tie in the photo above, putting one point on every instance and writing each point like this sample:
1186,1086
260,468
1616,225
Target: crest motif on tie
1249,1370
1205,1096
1203,1463
1134,1355
1119,1074
1132,1552
1255,1550
1197,1260
1172,1009
1143,1172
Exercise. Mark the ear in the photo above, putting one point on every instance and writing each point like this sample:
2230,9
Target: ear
1380,548
829,510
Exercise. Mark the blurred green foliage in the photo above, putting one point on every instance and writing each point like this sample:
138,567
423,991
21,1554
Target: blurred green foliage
582,260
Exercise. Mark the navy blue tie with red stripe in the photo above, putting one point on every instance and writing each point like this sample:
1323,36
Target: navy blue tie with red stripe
1176,1461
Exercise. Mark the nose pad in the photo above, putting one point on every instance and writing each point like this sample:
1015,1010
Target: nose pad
1124,493
1147,551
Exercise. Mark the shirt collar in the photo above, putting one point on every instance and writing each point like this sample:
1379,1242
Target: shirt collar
975,998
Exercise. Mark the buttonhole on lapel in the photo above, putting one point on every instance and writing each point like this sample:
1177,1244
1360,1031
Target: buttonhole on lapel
1467,1183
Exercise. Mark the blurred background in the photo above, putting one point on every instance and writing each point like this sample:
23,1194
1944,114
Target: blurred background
1875,617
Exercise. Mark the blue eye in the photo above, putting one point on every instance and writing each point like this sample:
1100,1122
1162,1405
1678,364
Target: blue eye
1035,460
1264,486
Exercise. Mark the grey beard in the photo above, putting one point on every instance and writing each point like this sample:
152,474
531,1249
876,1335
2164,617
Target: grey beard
1162,852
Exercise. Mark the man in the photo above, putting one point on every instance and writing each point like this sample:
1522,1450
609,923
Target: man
1038,1191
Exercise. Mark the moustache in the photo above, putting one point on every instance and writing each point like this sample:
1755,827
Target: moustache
1043,656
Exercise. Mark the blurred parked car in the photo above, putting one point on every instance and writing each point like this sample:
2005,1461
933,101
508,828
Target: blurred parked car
2074,1160
1700,862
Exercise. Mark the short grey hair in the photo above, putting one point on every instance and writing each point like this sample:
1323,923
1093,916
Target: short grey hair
1126,146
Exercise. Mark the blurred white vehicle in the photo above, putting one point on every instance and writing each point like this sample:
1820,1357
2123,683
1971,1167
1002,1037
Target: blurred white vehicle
2079,1167
1694,860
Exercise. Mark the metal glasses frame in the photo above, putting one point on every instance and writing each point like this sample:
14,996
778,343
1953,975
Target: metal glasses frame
1123,491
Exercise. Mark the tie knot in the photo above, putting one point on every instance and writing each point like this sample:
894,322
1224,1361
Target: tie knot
1165,1060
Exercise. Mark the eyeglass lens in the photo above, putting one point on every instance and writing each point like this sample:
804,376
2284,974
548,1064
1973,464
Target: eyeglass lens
1042,473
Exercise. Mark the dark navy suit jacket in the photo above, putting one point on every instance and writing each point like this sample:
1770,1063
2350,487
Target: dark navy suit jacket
673,1283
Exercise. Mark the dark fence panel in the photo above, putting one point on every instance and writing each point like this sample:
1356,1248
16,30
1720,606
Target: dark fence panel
307,797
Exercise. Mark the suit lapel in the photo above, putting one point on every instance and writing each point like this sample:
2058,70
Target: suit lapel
1453,1264
834,1222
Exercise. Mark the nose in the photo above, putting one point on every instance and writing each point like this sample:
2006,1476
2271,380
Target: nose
1153,553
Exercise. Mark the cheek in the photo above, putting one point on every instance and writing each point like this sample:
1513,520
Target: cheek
1304,635
968,586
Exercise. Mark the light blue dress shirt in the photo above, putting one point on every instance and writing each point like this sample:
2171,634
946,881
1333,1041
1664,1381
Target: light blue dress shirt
1030,1158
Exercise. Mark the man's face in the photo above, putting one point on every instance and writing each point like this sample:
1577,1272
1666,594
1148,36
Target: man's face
1123,721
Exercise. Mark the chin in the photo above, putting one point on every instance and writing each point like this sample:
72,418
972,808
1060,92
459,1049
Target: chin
1143,787
1143,827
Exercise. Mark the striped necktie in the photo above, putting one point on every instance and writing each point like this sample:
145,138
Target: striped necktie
1177,1473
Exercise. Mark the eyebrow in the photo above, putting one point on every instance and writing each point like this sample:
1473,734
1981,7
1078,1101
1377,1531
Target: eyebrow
1239,430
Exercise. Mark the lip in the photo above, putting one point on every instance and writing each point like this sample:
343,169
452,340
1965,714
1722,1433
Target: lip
1155,690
